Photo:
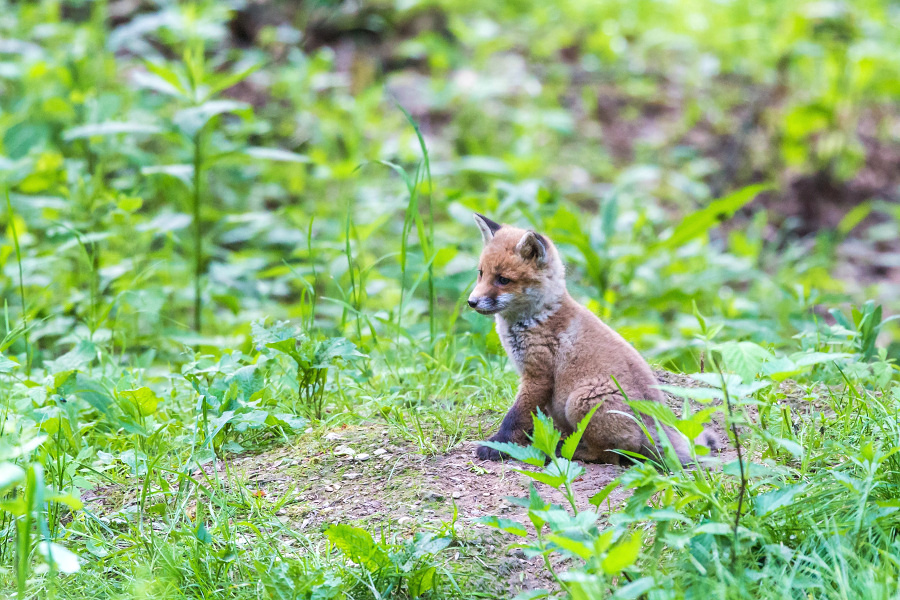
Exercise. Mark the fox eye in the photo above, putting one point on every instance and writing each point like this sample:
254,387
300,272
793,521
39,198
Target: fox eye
480,273
502,280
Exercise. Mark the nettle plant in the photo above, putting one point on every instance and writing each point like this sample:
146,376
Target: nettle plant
313,355
374,568
571,532
29,513
234,402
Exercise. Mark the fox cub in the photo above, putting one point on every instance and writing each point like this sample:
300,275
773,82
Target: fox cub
564,354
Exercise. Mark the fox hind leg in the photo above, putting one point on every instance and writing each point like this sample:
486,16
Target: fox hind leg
611,428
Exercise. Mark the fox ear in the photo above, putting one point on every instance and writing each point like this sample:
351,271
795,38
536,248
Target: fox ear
533,246
488,228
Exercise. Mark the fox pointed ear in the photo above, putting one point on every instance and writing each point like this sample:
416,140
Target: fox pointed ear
488,228
533,246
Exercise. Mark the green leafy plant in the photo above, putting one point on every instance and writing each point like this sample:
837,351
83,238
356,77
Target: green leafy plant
571,531
388,567
27,500
313,358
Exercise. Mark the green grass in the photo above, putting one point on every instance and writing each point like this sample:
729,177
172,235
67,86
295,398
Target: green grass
226,239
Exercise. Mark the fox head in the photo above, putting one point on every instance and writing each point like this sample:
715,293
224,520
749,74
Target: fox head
520,273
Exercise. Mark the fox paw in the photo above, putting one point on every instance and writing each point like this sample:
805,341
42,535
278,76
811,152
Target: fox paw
485,453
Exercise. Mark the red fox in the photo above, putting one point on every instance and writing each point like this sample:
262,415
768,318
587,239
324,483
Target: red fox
564,353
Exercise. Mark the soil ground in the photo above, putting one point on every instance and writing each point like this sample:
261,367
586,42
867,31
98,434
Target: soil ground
364,475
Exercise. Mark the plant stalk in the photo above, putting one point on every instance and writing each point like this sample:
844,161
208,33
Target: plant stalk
15,234
198,233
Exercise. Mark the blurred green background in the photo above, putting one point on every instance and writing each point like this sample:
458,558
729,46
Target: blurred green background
229,225
604,125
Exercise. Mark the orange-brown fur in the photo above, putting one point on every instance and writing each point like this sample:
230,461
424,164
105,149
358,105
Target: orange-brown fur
566,356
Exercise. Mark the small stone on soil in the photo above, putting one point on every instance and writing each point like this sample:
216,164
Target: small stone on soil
431,496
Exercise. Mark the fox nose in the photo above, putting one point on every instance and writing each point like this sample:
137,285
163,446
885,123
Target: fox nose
473,302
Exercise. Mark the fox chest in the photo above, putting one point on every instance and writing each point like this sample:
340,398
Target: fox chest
530,350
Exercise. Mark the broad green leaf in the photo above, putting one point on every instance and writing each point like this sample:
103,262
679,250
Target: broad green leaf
430,544
288,346
560,520
91,392
781,368
249,380
77,358
545,436
622,555
693,426
571,443
715,528
733,383
579,548
570,471
223,82
22,138
191,120
635,589
598,498
10,476
170,76
202,534
130,204
791,446
183,173
656,410
7,365
357,544
50,425
62,559
255,419
763,504
527,454
108,128
287,420
156,83
421,581
699,222
532,594
507,525
751,469
554,480
24,447
276,154
141,402
334,348
67,499
807,359
15,507
744,358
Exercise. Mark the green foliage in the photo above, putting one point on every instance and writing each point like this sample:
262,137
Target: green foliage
313,358
573,533
695,543
390,567
194,268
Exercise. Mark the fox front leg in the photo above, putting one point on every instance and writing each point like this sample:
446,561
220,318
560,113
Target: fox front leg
518,422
